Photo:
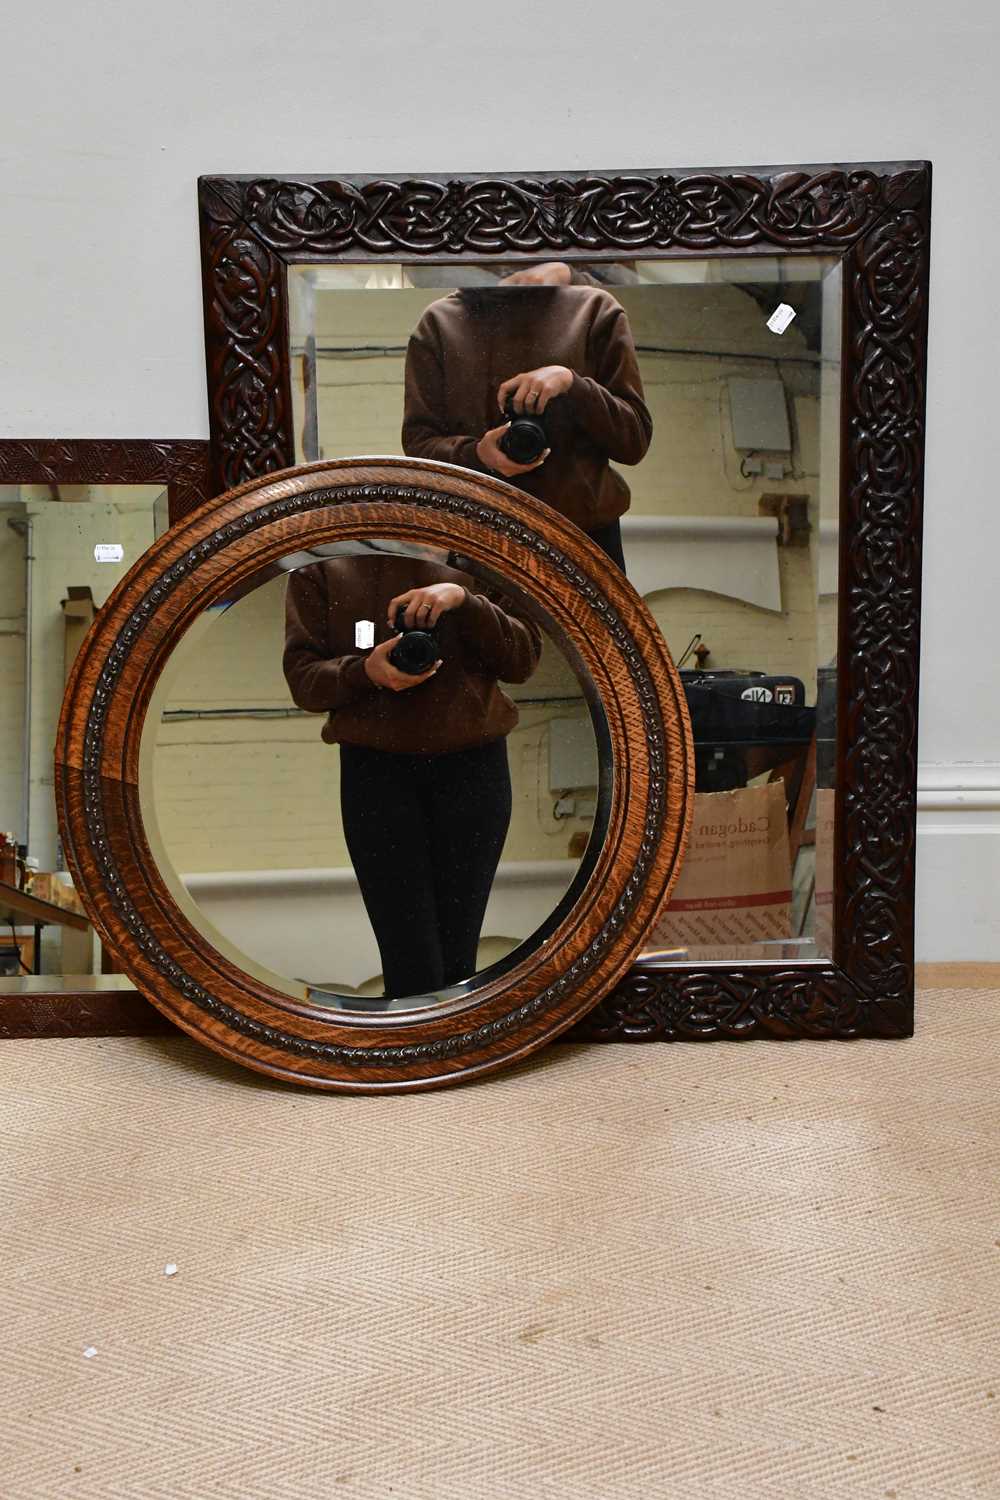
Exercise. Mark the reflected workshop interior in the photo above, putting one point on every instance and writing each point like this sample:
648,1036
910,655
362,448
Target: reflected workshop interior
731,537
63,547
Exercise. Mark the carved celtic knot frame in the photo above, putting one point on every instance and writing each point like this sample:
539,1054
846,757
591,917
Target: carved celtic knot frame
876,217
551,983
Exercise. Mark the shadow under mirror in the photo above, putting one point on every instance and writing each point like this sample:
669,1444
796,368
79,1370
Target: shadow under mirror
688,416
374,776
63,548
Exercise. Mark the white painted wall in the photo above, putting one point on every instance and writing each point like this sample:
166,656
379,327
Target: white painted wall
110,114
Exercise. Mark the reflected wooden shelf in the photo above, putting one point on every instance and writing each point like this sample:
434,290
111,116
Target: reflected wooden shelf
18,906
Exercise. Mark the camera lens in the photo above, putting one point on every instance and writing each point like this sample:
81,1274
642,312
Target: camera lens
416,651
525,438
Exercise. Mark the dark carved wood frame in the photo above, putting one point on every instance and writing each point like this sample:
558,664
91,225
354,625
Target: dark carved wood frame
62,1007
181,465
876,217
506,1014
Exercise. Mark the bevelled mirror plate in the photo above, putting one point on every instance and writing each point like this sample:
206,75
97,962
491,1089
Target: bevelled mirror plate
726,477
469,812
196,660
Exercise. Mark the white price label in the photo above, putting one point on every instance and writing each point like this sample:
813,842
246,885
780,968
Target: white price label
781,317
108,552
364,634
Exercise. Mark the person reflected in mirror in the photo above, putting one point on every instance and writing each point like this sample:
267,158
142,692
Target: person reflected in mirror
422,725
546,348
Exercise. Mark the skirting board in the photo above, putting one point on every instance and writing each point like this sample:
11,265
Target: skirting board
958,863
961,976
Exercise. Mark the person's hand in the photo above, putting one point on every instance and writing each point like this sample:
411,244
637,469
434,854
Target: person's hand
530,392
384,675
492,456
552,273
424,607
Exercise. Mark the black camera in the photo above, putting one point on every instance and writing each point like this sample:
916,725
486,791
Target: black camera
525,439
416,651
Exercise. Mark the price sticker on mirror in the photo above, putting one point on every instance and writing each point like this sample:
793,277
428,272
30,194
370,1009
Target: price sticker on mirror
364,634
781,317
108,552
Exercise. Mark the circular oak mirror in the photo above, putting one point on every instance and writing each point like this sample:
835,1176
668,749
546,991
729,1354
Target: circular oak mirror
345,863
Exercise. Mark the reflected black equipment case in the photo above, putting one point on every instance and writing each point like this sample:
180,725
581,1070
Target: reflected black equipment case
733,713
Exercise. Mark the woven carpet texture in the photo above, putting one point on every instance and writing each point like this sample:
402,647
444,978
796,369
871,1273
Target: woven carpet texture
737,1272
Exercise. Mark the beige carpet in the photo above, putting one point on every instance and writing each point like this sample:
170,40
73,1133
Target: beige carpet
731,1272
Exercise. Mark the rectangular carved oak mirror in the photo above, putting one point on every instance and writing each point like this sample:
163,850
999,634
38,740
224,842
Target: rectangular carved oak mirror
75,514
769,512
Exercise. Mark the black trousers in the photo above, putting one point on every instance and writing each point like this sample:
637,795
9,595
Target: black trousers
609,539
425,834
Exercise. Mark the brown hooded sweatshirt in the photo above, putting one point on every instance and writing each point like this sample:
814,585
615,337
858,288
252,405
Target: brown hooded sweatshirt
459,707
466,345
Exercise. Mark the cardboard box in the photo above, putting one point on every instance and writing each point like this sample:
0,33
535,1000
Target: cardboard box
735,886
46,887
826,798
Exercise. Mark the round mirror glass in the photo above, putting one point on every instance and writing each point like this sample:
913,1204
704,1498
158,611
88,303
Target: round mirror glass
374,776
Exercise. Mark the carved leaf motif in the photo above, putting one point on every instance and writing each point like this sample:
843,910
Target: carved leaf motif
301,215
181,464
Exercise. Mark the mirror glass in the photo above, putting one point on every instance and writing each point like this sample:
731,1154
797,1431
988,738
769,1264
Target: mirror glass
62,550
366,816
688,411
